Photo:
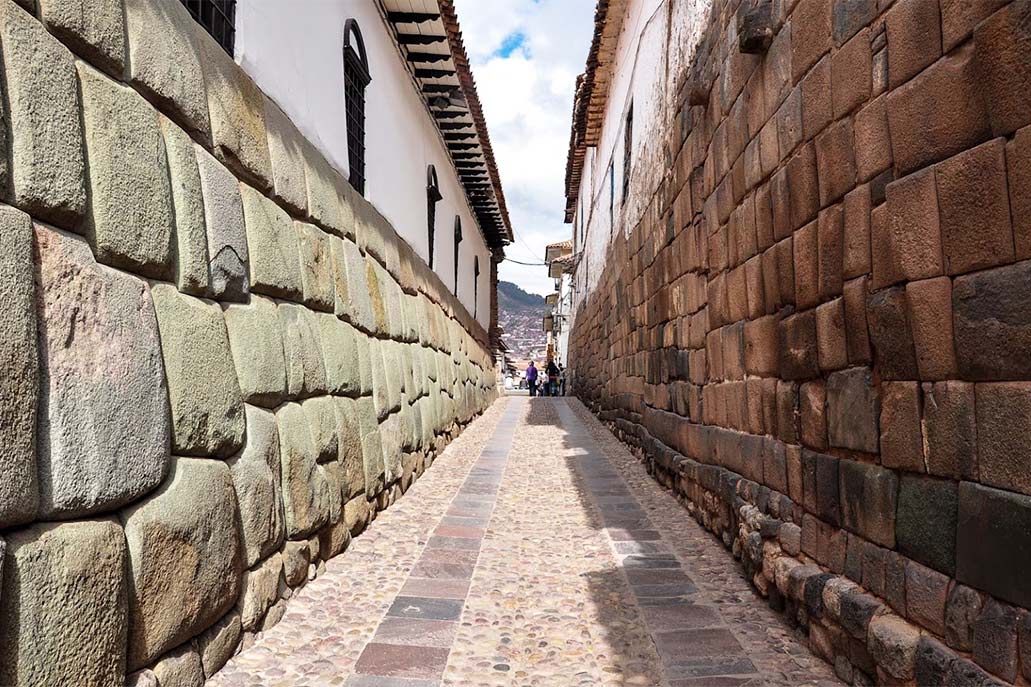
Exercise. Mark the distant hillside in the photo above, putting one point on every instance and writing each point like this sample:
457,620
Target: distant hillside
511,297
520,315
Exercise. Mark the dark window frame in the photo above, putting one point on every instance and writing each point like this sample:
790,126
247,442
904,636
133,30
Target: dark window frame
476,284
458,244
356,78
628,148
218,18
433,196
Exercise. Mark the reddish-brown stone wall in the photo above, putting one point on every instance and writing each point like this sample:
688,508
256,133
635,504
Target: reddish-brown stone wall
820,333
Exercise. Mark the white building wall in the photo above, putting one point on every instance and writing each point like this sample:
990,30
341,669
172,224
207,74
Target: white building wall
294,52
647,61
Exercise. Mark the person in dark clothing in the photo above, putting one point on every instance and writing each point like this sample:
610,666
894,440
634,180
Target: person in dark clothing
552,372
531,378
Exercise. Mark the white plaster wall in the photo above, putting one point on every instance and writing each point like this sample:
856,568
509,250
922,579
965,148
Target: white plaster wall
646,64
294,52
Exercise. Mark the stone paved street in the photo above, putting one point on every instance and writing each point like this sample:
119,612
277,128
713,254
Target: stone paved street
535,551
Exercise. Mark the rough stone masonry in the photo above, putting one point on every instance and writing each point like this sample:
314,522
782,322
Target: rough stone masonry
218,361
819,333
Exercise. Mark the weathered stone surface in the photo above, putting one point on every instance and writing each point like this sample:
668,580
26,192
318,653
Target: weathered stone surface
260,589
296,557
992,319
103,415
257,346
853,410
950,433
933,660
92,29
340,345
993,542
130,221
185,558
326,207
868,497
333,540
901,432
926,594
226,228
180,667
995,639
1003,431
203,391
961,612
273,247
63,608
307,501
219,642
893,644
305,365
891,335
926,522
1000,44
257,481
237,109
165,60
356,514
191,238
316,267
322,421
349,268
19,385
286,153
43,171
372,447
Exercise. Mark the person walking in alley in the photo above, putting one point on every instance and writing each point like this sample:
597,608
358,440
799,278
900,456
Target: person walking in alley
552,372
531,378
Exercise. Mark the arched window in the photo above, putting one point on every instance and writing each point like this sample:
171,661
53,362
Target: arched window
432,197
356,78
458,241
476,284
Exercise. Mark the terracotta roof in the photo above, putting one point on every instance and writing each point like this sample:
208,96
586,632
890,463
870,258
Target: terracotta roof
592,91
428,35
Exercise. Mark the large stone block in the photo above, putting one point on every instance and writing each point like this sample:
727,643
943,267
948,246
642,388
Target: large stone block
63,609
907,244
372,447
43,170
993,542
165,61
237,109
950,433
227,233
901,429
204,394
322,420
853,409
93,29
19,385
891,335
340,346
286,153
992,320
351,447
929,304
1001,45
256,341
316,267
103,427
273,247
191,238
257,480
307,501
799,352
1003,435
130,221
995,639
305,365
185,558
868,499
926,521
326,206
180,667
218,643
260,589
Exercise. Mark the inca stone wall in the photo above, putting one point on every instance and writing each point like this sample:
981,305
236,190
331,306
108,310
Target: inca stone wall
819,335
218,361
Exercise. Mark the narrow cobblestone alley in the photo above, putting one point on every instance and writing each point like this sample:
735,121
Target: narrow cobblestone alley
536,551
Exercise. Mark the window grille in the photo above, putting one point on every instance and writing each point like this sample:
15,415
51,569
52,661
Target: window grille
628,147
458,242
356,78
476,284
432,197
218,18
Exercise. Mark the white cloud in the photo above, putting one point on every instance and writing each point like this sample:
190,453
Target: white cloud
527,96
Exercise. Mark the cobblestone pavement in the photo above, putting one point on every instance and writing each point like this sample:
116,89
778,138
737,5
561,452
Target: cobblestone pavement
535,551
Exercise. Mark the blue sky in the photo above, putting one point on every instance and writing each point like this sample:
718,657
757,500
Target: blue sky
526,55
